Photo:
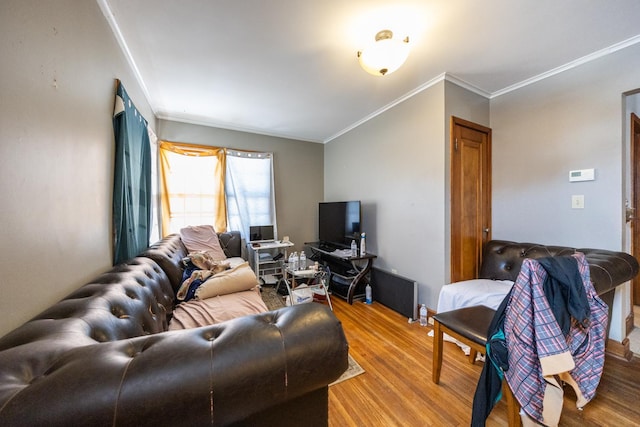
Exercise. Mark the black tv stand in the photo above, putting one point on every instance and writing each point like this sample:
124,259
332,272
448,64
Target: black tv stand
350,270
326,247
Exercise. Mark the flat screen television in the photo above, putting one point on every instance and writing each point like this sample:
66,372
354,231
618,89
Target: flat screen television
339,222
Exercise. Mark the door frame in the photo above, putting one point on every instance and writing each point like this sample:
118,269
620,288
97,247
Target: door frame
634,125
486,225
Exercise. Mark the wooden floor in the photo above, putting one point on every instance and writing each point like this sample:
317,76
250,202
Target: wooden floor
396,389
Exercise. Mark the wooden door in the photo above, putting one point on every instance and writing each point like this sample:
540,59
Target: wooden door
470,148
635,197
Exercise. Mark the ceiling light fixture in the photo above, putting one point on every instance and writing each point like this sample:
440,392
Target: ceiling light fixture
384,56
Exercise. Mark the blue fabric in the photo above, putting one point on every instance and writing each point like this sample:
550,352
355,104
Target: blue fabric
189,268
565,292
132,180
489,388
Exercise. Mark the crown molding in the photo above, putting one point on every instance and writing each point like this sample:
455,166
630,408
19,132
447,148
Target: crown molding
442,77
568,66
226,126
110,17
390,105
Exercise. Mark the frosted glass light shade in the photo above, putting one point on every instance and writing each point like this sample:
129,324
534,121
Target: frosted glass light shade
384,56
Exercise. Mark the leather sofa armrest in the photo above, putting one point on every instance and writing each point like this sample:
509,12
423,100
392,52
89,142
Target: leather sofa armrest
214,375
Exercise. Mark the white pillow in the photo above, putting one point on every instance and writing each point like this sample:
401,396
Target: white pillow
237,279
469,293
198,238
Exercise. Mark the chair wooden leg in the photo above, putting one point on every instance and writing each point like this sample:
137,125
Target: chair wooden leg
437,352
513,408
461,320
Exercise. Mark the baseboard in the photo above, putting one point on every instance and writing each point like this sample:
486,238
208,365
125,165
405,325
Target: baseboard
621,350
629,323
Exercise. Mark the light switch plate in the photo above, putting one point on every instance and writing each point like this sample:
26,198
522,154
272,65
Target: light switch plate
577,201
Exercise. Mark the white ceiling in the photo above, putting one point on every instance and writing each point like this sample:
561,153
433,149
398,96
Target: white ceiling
288,68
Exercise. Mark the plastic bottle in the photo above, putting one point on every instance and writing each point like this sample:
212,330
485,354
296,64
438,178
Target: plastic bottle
367,294
363,250
294,262
290,261
303,261
354,248
423,315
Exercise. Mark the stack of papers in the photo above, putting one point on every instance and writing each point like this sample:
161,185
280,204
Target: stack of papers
304,273
342,253
269,279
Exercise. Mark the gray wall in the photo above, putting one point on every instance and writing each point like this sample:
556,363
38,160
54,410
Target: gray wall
59,62
397,165
298,169
573,120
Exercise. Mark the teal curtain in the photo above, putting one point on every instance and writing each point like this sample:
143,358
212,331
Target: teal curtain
132,180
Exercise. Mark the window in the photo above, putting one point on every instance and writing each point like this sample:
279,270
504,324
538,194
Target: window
249,191
192,186
229,189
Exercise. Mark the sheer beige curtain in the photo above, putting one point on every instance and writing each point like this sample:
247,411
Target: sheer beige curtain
192,186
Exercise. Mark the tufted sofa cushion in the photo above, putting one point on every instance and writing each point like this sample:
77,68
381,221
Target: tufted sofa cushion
502,260
168,254
133,299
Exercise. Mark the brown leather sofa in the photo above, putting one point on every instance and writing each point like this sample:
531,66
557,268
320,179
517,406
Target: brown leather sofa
102,356
502,259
